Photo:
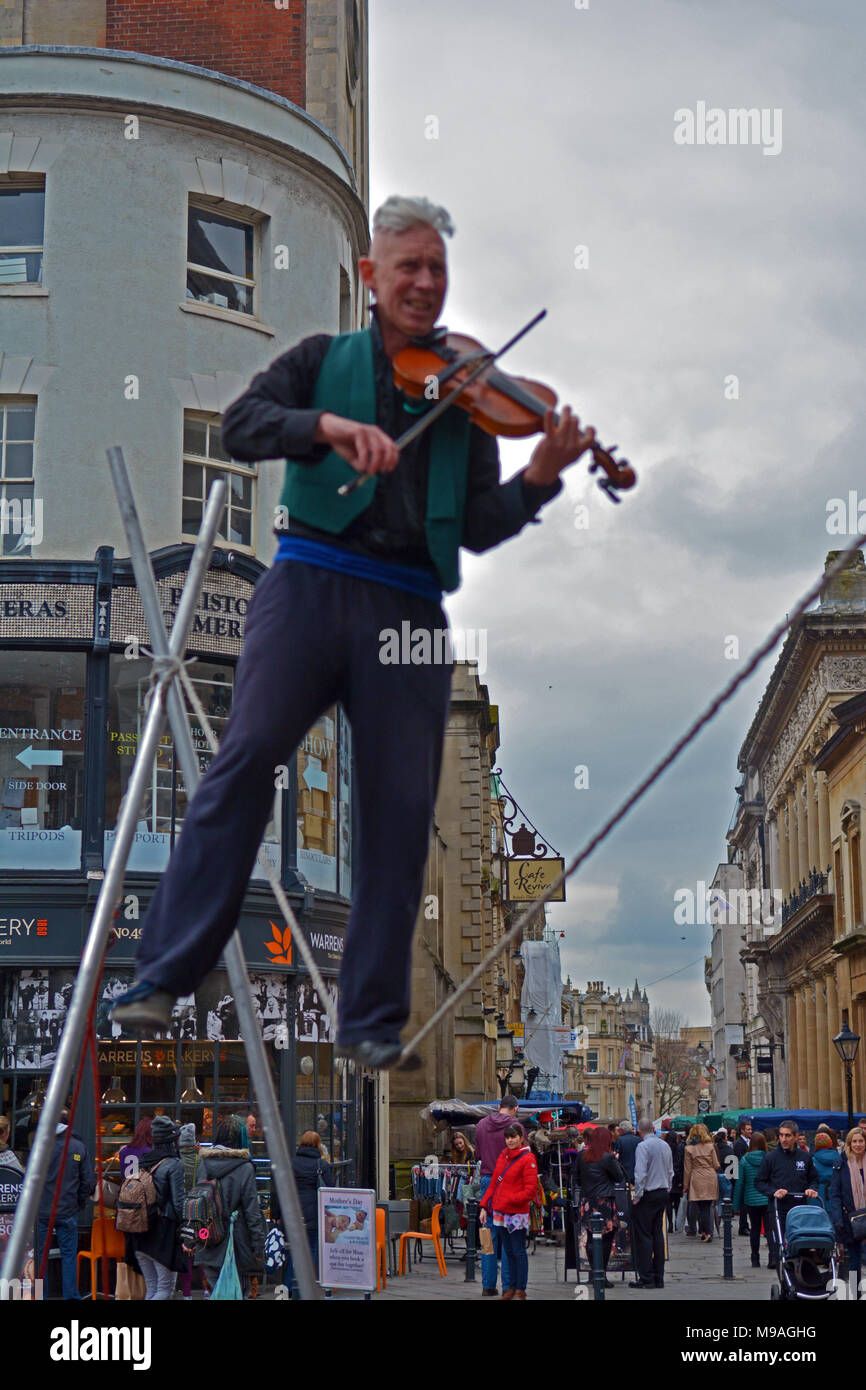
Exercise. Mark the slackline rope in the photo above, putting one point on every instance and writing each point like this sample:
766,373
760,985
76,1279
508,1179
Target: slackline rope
643,787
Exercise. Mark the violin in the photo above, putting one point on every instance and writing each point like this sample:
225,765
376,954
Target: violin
511,406
462,372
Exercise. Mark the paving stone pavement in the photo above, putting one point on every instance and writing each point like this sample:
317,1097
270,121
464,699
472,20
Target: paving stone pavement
694,1272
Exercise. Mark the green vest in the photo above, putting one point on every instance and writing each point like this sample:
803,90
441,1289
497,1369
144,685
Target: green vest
346,385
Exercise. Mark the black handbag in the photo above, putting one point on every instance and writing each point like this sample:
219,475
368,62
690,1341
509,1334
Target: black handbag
858,1224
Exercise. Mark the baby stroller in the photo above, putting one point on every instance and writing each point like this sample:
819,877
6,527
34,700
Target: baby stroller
807,1253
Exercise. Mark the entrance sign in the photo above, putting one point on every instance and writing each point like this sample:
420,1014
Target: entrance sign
347,1238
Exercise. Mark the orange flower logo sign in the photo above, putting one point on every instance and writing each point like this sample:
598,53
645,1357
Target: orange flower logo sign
281,946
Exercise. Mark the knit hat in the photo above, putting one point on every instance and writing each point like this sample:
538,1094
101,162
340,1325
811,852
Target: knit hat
187,1137
164,1131
823,1141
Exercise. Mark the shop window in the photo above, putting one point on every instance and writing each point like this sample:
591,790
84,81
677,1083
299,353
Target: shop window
220,260
41,759
22,222
161,816
204,461
20,514
324,803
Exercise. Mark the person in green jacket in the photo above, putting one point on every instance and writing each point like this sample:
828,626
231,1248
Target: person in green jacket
747,1197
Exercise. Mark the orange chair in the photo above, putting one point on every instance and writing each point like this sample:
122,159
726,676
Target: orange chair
381,1251
106,1243
435,1236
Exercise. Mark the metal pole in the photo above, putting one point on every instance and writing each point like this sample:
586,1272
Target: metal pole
728,1236
471,1225
598,1274
849,1067
260,1074
71,1047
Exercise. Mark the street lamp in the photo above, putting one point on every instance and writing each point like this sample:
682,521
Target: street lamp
846,1044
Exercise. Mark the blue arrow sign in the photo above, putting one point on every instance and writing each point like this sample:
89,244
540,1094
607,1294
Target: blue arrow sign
313,775
46,757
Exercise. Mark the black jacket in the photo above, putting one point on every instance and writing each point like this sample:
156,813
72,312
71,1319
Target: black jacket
76,1184
741,1146
306,1165
274,418
792,1169
842,1201
162,1238
625,1148
234,1169
597,1179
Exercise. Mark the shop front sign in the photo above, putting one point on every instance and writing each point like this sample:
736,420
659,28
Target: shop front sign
529,879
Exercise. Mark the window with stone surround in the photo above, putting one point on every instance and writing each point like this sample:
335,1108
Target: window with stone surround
20,519
22,222
204,461
221,255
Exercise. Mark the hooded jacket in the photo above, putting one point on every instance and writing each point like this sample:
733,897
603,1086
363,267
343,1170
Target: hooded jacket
792,1169
745,1192
514,1182
490,1139
234,1170
825,1161
161,1239
76,1182
307,1165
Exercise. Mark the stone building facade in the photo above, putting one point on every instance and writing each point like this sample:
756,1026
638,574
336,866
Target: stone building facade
459,920
790,840
616,1061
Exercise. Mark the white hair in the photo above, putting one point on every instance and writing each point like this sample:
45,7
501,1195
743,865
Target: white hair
399,214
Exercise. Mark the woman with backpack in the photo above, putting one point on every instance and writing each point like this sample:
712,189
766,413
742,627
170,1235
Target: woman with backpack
232,1167
311,1172
596,1174
157,1249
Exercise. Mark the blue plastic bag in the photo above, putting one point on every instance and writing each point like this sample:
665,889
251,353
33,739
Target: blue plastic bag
228,1285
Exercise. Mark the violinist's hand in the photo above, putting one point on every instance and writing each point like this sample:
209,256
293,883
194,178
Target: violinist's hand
367,448
562,444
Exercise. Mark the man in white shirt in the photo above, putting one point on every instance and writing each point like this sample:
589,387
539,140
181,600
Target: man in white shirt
653,1176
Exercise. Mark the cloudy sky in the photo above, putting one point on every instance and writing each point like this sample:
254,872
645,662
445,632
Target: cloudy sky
706,262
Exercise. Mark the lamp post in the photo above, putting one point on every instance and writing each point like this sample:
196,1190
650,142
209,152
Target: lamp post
846,1044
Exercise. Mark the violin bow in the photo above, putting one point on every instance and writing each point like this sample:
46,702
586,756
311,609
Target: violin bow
484,360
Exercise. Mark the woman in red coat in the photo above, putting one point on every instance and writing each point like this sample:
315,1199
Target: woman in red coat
512,1188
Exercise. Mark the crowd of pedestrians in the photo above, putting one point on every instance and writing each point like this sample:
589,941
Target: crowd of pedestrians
686,1177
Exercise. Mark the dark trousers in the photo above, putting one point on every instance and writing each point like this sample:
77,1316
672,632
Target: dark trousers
755,1217
649,1237
314,637
701,1217
66,1235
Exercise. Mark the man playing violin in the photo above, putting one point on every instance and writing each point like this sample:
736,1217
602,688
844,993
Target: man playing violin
347,569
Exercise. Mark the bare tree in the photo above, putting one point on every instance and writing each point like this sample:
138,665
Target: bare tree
677,1073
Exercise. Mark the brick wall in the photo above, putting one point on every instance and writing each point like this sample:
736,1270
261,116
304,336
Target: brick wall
249,39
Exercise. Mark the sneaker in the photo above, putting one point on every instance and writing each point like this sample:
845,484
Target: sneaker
143,1008
380,1056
